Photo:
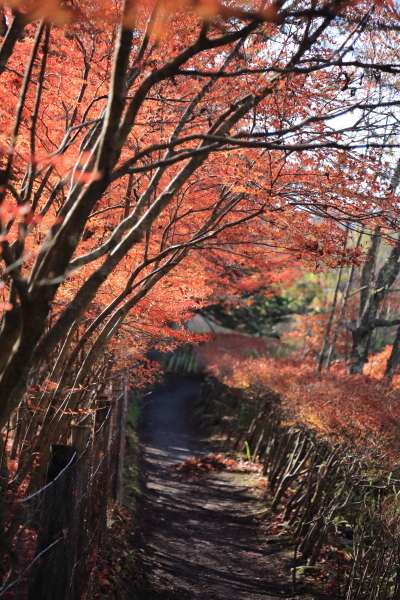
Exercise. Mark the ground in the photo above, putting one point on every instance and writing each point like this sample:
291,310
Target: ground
202,537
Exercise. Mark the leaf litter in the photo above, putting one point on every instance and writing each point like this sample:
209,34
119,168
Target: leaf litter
211,463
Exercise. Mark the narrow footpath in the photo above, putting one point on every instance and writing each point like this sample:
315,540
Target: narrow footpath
201,538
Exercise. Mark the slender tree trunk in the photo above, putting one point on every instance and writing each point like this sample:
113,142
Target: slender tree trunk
330,323
342,310
368,270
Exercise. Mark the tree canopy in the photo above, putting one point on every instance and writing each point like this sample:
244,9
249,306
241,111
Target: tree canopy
153,154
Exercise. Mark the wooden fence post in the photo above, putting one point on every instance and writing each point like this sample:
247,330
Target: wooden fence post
50,575
122,442
80,435
102,406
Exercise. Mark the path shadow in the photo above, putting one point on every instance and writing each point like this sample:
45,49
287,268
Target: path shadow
201,538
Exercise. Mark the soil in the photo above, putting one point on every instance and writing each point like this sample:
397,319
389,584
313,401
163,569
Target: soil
204,537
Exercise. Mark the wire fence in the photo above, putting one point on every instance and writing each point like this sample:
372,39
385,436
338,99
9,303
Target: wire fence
50,539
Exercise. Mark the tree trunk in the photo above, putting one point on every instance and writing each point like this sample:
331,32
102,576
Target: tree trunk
369,302
363,333
342,310
394,358
322,355
367,272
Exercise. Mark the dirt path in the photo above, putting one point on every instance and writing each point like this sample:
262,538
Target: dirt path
201,539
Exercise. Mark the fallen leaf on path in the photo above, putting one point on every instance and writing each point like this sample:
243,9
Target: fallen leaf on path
201,465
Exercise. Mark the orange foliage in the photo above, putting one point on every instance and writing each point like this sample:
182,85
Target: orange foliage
356,410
